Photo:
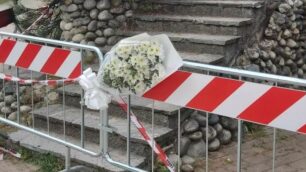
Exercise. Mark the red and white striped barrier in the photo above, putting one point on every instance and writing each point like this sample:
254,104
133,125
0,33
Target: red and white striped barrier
45,59
263,104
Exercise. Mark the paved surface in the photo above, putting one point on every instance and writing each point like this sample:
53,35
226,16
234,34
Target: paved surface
14,165
257,154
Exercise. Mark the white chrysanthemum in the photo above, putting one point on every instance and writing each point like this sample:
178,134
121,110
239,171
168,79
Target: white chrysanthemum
140,87
124,51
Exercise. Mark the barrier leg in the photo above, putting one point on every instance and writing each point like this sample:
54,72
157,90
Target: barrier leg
68,159
239,141
128,140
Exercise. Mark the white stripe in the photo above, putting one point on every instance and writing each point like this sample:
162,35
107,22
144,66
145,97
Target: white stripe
16,53
69,64
41,58
293,118
189,89
1,40
242,98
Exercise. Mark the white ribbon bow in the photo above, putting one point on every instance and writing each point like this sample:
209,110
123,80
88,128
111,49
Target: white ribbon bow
95,97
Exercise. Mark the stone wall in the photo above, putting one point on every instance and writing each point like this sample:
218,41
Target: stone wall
94,22
281,50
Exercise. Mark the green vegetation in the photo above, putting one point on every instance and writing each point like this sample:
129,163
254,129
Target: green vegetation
46,161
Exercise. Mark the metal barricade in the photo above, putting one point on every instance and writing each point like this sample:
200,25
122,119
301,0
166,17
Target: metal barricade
236,74
104,128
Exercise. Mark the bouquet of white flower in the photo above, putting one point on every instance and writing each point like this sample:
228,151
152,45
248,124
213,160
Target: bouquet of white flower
138,63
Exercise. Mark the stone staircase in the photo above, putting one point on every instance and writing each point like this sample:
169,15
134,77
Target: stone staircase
202,31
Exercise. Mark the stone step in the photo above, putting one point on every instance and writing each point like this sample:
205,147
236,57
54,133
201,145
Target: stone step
72,117
192,24
165,114
42,145
202,58
198,43
201,7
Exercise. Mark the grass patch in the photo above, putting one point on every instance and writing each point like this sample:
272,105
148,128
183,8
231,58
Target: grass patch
47,162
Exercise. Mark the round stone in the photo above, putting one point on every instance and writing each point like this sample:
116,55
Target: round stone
25,109
229,123
90,36
89,4
105,15
103,4
213,119
92,26
2,104
117,10
112,40
75,14
196,149
201,119
9,99
13,116
214,145
14,106
113,24
196,136
72,8
191,126
212,133
116,2
68,26
218,127
99,33
121,18
94,13
6,110
199,169
187,160
53,97
187,168
184,145
101,25
108,32
129,13
78,38
225,137
101,41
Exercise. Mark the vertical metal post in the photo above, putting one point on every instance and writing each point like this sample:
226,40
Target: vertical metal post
128,150
47,101
18,97
32,101
153,144
68,159
179,139
103,131
274,149
82,109
206,140
64,110
239,141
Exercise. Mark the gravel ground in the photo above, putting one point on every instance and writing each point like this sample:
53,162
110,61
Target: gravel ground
15,165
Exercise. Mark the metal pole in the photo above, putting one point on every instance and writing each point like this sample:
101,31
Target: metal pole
68,159
179,139
274,149
206,140
82,109
239,139
129,131
152,142
103,131
18,97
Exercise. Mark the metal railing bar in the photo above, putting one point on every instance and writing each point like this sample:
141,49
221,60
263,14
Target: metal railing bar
245,73
53,42
121,165
128,140
44,135
152,140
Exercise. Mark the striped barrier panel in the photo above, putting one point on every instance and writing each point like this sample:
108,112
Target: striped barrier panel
45,59
258,103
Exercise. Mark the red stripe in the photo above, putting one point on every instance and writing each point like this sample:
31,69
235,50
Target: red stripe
28,55
302,129
55,61
5,49
214,94
76,72
271,105
165,88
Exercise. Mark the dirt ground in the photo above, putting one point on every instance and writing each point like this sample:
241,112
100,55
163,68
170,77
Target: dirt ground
14,165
